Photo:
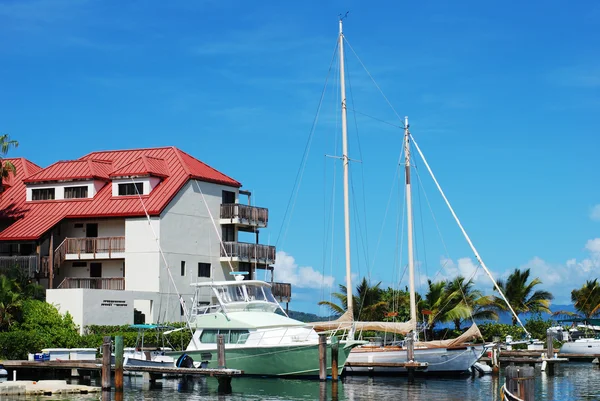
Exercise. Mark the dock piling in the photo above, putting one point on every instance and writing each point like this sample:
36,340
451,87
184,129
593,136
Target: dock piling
520,381
410,355
106,363
334,357
221,351
322,357
119,364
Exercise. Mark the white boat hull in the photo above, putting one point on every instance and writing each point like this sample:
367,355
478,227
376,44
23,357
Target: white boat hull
582,346
455,360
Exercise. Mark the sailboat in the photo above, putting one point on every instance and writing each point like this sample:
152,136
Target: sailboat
452,356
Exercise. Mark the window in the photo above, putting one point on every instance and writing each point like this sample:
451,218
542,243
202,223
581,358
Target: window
131,189
76,192
42,194
182,268
79,264
204,270
209,336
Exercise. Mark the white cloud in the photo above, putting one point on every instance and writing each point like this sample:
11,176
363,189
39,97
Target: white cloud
595,213
548,274
287,271
465,267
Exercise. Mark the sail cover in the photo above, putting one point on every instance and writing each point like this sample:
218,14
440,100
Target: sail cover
345,322
469,335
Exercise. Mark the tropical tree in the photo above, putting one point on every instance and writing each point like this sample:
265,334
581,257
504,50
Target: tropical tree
368,302
587,299
481,307
521,295
6,167
444,303
10,302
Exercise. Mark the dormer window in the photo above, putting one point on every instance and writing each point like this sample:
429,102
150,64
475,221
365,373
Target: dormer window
76,192
42,194
131,189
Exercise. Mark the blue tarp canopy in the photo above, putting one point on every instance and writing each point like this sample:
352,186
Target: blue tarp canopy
146,326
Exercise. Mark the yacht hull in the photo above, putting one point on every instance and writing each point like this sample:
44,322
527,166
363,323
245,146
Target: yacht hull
454,360
285,360
586,346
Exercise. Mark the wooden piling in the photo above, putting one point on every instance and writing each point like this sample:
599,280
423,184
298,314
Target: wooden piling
550,344
106,363
520,382
334,357
221,351
322,357
410,355
118,363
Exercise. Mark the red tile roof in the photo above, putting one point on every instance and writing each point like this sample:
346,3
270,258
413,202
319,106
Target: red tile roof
73,170
143,166
36,218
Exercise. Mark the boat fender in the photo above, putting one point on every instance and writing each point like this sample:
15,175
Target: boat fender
185,361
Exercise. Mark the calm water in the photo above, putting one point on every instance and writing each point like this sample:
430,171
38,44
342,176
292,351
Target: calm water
575,381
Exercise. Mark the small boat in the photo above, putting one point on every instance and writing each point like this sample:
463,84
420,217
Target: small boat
141,356
3,372
582,338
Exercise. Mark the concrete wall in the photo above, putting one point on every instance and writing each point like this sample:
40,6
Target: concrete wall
187,234
99,307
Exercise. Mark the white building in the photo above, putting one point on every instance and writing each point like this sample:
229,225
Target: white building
96,232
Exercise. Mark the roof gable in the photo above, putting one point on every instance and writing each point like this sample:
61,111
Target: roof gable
66,170
37,217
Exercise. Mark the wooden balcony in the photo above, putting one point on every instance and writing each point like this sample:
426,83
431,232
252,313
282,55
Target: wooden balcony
245,216
246,252
90,248
282,291
27,264
94,283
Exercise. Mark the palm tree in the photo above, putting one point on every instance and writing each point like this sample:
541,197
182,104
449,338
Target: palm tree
445,303
521,296
368,302
6,167
587,299
10,302
480,306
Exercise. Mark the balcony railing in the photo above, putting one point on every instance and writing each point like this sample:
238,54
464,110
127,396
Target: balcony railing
88,245
282,291
246,252
27,264
95,283
244,214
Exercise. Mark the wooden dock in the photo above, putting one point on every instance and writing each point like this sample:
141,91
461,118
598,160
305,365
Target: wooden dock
96,365
44,387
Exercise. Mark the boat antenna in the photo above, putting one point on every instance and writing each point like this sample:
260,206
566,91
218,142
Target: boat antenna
481,262
409,223
346,160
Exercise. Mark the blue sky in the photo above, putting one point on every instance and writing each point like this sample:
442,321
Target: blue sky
502,98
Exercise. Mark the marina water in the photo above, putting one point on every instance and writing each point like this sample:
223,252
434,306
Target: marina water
573,381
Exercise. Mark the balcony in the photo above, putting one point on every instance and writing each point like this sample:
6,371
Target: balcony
246,217
27,264
90,248
245,252
94,283
282,291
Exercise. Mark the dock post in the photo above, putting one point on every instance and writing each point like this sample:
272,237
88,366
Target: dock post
224,381
550,344
410,355
118,363
221,351
496,359
334,357
520,381
106,363
322,357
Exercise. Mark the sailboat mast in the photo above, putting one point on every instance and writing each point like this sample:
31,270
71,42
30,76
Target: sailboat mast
345,161
411,261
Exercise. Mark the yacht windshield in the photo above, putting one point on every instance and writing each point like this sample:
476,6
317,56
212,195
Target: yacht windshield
230,293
